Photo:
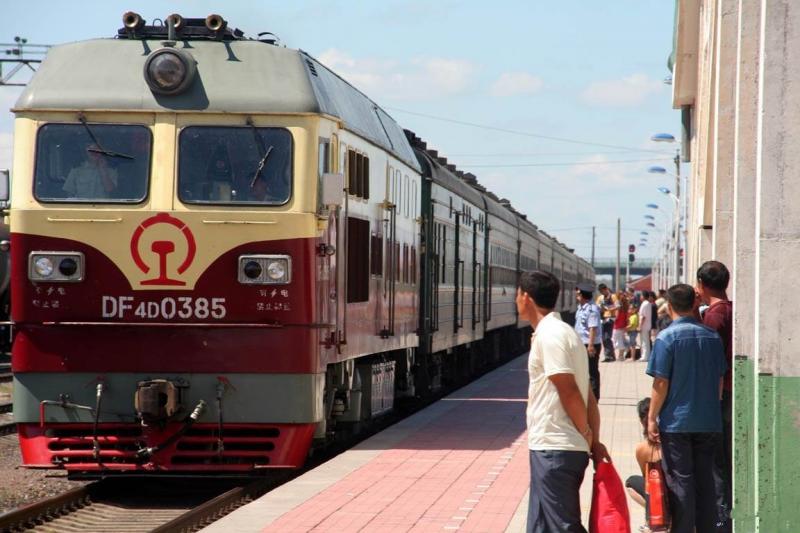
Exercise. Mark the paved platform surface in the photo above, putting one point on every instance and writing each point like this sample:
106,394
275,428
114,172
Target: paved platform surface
459,465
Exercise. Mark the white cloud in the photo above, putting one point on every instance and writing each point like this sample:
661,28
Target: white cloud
421,78
630,91
516,84
604,175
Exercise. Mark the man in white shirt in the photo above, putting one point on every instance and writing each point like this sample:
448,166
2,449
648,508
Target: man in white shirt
562,413
645,325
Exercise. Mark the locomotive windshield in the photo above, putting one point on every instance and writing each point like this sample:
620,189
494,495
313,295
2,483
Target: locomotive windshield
95,163
235,165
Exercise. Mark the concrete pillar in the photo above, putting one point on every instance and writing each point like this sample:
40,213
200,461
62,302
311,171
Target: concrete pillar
702,190
726,37
777,387
743,281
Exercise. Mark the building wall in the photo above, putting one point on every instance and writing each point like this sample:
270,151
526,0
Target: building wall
743,211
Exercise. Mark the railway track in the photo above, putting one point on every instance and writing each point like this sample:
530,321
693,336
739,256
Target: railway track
128,505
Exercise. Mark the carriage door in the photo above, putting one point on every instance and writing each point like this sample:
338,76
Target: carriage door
391,249
458,280
327,252
476,278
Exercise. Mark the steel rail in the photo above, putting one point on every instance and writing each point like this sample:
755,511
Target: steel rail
215,508
47,509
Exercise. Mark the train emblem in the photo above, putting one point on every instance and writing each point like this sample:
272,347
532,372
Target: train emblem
163,248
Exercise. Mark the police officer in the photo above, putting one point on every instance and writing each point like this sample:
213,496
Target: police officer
587,325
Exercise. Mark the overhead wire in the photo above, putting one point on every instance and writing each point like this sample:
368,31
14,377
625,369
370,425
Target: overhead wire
569,163
521,133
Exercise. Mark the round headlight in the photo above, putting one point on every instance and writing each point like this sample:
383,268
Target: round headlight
43,266
252,269
169,70
68,266
276,270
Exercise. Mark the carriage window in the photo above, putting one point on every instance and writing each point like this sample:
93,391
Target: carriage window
94,163
235,165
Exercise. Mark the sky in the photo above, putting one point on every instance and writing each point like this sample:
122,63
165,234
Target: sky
549,103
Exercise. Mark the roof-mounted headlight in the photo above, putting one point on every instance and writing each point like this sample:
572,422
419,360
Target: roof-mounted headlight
169,71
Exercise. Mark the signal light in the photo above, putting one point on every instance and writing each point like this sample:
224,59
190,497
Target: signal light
631,257
631,248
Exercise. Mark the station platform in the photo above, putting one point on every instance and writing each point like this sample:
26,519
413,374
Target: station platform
461,464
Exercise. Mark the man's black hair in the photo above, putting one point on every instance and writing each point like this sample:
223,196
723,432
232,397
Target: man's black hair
643,408
681,297
587,295
714,275
602,286
662,292
541,286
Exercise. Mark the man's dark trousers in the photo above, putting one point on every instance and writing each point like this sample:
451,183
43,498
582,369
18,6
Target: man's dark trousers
688,460
554,501
723,468
594,369
608,331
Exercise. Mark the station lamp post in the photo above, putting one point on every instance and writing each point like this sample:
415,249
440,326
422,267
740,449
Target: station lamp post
667,138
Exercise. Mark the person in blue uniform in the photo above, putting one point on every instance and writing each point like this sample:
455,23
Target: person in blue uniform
587,325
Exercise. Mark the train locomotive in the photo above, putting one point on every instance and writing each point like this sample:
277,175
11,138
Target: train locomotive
223,253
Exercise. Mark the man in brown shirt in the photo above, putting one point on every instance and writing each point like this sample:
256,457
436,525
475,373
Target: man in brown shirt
712,283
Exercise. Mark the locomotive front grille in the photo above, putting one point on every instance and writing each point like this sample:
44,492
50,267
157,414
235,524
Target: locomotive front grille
243,446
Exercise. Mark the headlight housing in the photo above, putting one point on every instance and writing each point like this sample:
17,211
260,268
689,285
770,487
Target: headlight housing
56,266
169,71
265,269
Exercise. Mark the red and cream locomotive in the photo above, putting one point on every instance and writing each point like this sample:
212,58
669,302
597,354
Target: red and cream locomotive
221,250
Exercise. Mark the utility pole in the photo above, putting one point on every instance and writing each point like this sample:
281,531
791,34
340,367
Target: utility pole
616,271
678,217
593,236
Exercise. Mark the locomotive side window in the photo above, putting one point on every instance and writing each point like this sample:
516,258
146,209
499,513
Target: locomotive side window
376,255
92,163
358,257
358,174
235,165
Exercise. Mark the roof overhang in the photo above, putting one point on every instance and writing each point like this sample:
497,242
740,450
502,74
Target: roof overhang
685,52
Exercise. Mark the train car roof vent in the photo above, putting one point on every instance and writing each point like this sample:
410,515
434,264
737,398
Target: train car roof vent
312,68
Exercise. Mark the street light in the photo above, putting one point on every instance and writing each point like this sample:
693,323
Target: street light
649,217
663,138
643,233
674,198
668,138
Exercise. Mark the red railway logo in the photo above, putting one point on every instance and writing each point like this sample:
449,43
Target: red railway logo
162,249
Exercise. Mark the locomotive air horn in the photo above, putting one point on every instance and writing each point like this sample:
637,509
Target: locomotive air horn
132,21
177,21
215,23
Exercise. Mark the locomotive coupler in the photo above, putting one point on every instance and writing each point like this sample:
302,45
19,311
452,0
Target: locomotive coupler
157,400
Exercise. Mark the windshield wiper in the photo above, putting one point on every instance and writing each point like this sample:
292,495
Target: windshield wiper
100,149
260,167
263,151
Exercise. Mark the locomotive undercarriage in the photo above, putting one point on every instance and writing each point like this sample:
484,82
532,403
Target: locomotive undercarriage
361,391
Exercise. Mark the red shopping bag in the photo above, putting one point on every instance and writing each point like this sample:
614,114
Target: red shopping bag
609,512
656,487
